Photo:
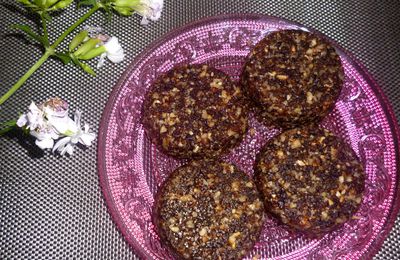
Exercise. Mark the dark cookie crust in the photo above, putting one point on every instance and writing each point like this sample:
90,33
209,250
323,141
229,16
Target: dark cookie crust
195,111
209,210
310,180
293,77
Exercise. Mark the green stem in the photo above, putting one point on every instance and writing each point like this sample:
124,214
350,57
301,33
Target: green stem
49,51
45,33
25,77
76,24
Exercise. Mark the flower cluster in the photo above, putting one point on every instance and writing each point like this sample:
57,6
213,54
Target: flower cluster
90,43
49,122
148,9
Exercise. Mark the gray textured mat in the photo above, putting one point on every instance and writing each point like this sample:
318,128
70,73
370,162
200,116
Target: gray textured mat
52,207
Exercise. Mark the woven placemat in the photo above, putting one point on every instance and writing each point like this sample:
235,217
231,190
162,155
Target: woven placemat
51,207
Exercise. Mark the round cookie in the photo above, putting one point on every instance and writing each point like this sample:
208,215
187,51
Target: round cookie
195,111
209,210
310,180
293,77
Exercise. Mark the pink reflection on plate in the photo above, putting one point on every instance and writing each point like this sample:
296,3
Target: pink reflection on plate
131,169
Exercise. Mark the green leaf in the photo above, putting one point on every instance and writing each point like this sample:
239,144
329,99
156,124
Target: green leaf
65,58
86,3
85,67
7,126
9,123
26,29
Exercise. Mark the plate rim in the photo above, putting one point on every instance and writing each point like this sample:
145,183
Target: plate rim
104,121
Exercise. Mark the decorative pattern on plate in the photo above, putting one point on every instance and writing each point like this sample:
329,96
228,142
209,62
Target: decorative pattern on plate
131,169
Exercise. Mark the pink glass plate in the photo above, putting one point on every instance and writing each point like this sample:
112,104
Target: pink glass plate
131,169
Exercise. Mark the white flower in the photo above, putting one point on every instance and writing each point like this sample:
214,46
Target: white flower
33,119
49,121
36,121
150,9
114,52
44,137
73,135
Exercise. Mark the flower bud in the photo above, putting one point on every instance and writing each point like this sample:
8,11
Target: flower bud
87,46
78,39
87,69
63,4
126,3
93,53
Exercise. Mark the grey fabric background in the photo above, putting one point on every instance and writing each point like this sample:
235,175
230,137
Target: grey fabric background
51,207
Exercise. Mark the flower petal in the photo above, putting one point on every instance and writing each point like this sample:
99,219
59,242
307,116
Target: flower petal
22,120
75,138
77,118
144,21
93,30
54,135
33,108
65,126
46,143
116,57
69,149
101,61
86,128
150,9
40,135
35,117
112,45
114,50
59,146
62,152
87,138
